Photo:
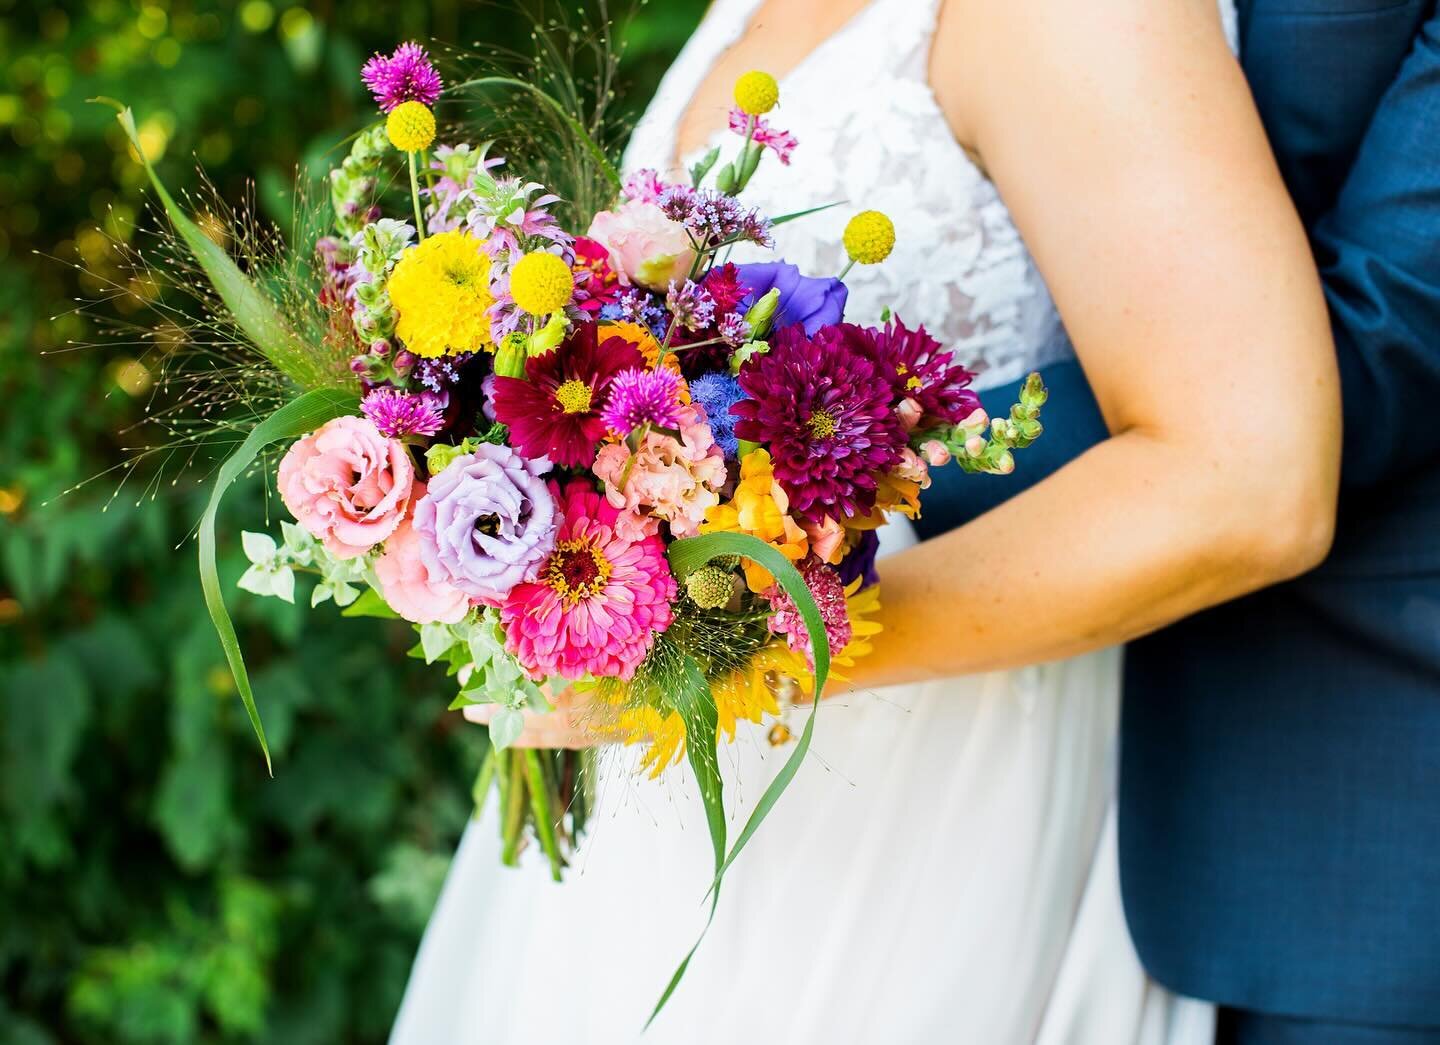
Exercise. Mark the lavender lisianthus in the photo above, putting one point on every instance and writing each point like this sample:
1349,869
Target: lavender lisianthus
812,301
487,522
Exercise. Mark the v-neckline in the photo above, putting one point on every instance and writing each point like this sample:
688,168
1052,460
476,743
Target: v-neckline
678,160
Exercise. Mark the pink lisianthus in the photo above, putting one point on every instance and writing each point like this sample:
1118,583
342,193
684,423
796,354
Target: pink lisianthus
645,246
599,600
348,485
406,582
670,479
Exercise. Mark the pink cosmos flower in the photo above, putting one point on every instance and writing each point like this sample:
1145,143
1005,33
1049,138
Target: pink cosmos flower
600,598
406,583
348,485
645,246
670,479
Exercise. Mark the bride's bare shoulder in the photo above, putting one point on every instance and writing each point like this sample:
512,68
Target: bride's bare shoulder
982,47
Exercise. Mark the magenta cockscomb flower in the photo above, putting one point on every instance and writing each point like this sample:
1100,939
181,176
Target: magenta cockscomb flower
919,369
396,414
826,413
639,397
597,602
829,592
405,76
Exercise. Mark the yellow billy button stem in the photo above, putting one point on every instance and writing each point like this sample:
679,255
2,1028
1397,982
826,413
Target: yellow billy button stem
411,128
869,238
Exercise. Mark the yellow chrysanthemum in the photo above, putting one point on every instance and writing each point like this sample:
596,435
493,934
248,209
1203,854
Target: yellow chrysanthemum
410,127
869,237
441,292
756,93
541,283
760,508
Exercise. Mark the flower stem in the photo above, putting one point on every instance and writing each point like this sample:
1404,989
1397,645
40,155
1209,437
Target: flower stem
480,791
541,809
415,199
846,270
513,824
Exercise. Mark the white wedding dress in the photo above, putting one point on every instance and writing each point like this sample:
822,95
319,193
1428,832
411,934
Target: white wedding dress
943,868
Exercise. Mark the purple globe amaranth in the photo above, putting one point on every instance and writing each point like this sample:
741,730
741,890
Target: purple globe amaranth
811,301
826,415
487,522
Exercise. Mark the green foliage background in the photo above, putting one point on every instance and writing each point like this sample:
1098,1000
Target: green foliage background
155,885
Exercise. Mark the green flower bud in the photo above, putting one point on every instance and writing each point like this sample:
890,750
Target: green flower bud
710,587
761,314
744,352
548,336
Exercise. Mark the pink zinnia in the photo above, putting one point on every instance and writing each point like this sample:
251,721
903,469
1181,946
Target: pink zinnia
599,600
405,76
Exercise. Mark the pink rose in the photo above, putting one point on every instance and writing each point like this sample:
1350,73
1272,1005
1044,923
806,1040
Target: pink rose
348,485
406,583
645,246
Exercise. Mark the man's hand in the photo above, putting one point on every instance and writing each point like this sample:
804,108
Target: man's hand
546,729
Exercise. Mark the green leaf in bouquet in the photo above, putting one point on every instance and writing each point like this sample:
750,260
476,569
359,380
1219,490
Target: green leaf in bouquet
506,727
254,312
370,604
297,417
436,639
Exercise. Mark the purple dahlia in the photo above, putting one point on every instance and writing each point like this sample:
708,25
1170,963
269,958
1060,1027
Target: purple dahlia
919,368
826,414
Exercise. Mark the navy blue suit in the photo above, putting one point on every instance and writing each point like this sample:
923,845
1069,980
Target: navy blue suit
1280,767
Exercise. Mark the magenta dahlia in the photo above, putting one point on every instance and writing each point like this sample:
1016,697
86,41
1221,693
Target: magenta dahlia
826,414
919,368
556,409
598,601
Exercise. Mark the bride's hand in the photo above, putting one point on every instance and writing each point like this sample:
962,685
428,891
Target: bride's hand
560,728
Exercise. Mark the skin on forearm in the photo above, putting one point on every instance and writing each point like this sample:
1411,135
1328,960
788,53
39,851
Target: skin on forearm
1123,540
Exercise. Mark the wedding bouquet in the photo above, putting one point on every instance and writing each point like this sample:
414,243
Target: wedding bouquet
614,461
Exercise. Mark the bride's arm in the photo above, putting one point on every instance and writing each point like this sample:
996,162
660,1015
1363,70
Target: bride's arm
1122,137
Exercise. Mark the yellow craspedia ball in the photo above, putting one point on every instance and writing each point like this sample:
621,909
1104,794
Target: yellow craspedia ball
441,292
410,127
541,283
756,93
869,237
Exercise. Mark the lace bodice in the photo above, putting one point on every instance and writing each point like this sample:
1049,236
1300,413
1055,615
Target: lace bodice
872,134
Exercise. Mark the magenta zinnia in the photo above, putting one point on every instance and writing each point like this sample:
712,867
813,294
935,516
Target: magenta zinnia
918,368
555,410
405,76
598,601
825,413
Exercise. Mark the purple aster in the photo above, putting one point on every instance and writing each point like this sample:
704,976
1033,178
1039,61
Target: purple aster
717,393
691,305
397,414
639,397
919,368
825,412
405,76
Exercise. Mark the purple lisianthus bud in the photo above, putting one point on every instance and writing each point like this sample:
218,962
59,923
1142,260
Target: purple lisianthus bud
487,522
812,301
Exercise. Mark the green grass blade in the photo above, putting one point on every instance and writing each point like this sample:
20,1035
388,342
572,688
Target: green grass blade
254,312
698,706
303,414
